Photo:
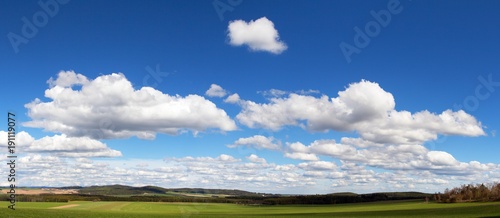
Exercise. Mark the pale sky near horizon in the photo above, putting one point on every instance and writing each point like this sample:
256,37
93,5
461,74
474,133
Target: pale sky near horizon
268,96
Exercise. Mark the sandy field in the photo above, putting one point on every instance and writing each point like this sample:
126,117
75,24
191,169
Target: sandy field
37,191
65,206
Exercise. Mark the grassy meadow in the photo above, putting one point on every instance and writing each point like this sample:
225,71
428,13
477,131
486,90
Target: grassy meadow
79,209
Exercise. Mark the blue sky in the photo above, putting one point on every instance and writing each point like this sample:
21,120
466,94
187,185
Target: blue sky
254,95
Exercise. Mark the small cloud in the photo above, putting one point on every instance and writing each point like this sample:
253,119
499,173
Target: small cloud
256,159
276,93
258,35
441,158
226,158
302,156
259,142
318,166
67,79
216,91
233,99
308,92
62,145
273,93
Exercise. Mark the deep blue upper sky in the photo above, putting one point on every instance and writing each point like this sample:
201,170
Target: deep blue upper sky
429,57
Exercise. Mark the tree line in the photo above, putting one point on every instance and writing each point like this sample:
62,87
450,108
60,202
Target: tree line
465,193
90,197
470,193
245,200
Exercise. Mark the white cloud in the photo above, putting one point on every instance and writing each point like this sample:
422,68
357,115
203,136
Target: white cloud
402,127
406,157
276,93
298,147
61,145
216,91
259,142
198,161
318,165
22,139
331,148
273,93
363,107
226,158
233,99
361,101
315,174
252,174
258,35
72,146
256,159
442,158
109,107
308,92
299,151
302,156
359,142
389,140
68,79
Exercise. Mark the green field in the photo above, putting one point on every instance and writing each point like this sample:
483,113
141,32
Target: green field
80,209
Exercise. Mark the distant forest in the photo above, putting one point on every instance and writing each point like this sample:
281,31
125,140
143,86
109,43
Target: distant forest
465,193
246,200
158,194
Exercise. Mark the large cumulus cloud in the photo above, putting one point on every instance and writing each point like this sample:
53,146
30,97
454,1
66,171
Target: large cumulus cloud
109,107
363,107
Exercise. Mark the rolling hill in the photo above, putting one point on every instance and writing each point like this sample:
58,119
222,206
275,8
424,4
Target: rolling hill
129,190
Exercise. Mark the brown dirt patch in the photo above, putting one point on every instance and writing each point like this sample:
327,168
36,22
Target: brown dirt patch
42,191
65,206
